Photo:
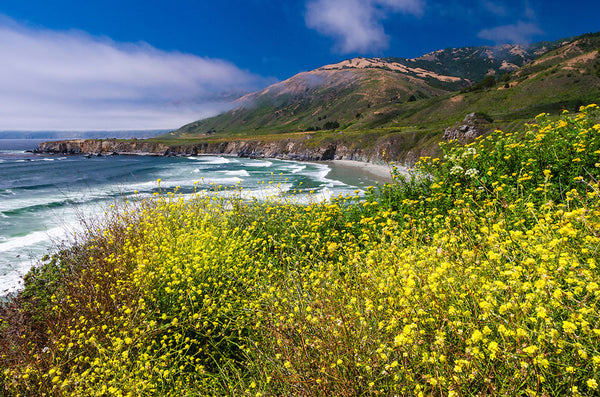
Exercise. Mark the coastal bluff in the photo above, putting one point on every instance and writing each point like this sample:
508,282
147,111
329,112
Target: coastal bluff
286,149
102,147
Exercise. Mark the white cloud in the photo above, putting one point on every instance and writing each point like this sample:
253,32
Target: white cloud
52,80
356,25
521,32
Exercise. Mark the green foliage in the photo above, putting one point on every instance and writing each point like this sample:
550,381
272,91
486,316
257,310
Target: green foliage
546,163
487,82
331,125
484,116
476,274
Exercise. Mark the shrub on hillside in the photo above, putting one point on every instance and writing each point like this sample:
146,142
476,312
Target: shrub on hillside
331,125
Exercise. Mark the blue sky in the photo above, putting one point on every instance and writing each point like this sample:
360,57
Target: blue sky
158,64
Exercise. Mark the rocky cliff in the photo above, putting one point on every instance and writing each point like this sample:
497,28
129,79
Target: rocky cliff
383,151
103,147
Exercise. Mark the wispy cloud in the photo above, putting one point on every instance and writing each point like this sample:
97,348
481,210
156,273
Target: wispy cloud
356,25
52,80
520,32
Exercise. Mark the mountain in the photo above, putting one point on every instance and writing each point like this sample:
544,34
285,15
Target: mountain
475,63
405,105
563,78
337,94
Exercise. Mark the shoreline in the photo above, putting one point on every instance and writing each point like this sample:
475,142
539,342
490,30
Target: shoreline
295,150
378,171
381,172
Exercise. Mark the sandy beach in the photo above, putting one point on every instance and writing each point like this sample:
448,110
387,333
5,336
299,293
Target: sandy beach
380,172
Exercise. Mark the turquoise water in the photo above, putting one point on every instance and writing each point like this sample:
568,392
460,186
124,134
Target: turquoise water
43,197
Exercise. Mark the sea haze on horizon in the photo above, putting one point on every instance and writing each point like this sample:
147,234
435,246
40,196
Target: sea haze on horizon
99,134
43,197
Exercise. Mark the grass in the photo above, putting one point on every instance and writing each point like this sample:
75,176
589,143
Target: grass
478,275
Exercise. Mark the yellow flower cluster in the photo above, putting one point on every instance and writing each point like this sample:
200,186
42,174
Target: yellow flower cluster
456,291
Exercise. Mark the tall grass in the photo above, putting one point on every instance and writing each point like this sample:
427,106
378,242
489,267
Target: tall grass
478,276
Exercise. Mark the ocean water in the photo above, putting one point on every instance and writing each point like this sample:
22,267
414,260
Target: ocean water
44,197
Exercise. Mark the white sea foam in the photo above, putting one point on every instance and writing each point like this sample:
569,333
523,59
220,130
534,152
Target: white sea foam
211,159
276,194
220,181
165,183
258,163
169,184
264,192
19,253
50,159
324,194
279,189
142,186
296,168
17,203
320,175
236,173
33,238
11,279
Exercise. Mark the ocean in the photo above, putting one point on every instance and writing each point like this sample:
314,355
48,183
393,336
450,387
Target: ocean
44,197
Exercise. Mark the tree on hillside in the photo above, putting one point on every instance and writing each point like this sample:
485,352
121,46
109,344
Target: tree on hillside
487,82
331,125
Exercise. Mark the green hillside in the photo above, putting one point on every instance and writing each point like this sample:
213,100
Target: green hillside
383,96
566,77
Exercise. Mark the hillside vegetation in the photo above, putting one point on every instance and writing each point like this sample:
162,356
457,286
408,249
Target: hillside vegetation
477,276
564,78
475,63
323,99
393,96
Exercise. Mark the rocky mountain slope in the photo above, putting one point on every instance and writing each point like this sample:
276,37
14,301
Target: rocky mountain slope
474,63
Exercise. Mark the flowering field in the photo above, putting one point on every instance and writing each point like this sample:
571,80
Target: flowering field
477,276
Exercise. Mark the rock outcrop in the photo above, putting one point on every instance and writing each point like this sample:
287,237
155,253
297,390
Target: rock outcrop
286,149
103,147
474,125
398,149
